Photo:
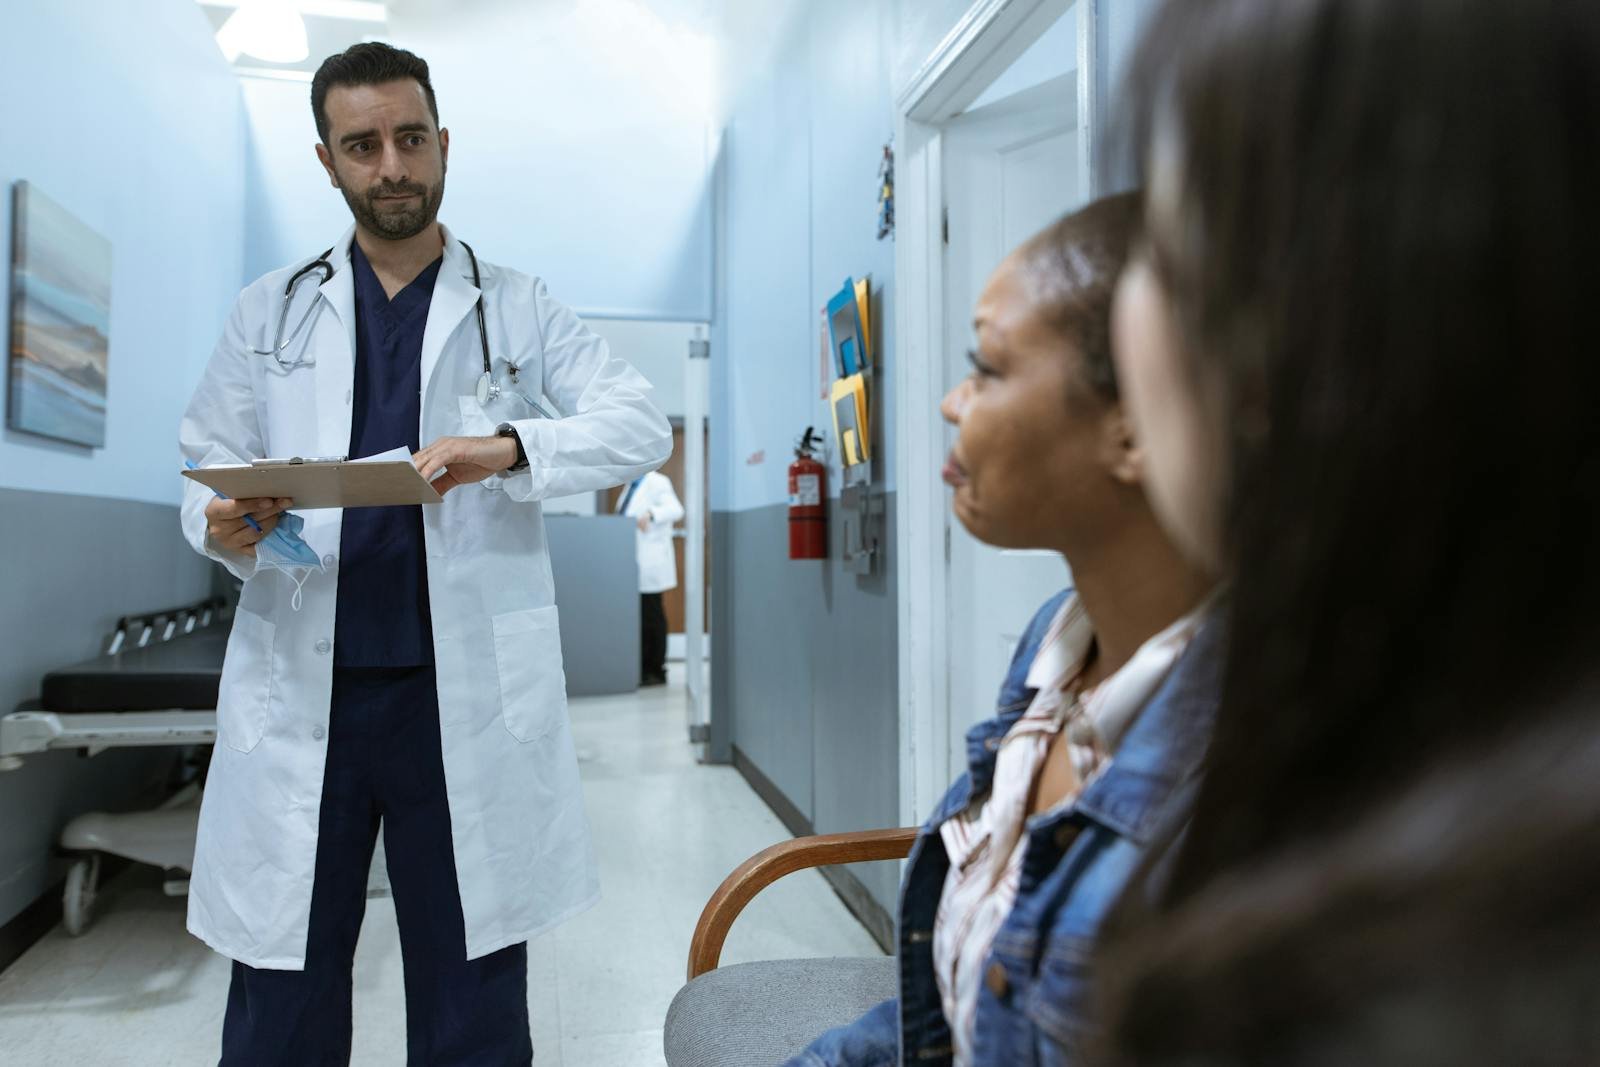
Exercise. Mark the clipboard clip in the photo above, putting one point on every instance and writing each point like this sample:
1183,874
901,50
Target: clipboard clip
295,461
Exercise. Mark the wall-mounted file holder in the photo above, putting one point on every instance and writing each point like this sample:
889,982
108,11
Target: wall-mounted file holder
852,397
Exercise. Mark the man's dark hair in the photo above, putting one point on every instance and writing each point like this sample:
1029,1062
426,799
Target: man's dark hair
368,63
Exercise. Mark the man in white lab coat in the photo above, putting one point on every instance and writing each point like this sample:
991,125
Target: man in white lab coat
400,664
652,504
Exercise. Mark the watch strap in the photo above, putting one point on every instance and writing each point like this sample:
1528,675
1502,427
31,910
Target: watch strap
505,429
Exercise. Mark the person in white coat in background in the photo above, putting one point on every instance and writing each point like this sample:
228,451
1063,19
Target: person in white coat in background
651,502
397,665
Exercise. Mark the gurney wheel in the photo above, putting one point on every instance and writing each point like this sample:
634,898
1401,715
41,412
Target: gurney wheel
77,903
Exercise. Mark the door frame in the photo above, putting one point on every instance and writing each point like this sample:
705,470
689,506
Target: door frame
986,41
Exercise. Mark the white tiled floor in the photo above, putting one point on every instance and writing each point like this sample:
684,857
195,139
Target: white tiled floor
136,989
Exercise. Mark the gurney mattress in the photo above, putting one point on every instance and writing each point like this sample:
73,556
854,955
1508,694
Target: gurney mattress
181,673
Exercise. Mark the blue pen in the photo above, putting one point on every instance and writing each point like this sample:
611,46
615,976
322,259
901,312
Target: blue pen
254,525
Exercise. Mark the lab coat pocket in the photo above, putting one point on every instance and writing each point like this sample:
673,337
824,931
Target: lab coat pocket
527,654
246,690
475,422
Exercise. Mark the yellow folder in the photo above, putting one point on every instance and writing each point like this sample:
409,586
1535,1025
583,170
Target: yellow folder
850,424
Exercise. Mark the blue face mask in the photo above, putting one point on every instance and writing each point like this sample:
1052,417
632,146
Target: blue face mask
283,549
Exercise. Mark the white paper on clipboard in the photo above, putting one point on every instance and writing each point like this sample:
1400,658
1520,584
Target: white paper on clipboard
384,480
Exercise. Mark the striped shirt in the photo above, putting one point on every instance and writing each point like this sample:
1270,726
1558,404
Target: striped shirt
986,844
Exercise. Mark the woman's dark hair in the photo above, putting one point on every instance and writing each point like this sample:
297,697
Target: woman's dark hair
1441,930
1382,240
368,63
1077,260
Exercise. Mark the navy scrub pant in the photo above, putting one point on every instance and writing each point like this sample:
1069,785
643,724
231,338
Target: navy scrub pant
384,762
652,637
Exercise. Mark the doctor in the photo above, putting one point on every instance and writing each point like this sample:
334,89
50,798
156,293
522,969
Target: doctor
419,683
652,504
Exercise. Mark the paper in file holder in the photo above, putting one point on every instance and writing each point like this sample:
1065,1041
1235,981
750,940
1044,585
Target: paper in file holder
322,483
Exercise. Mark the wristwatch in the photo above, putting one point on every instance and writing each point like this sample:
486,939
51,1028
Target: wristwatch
505,429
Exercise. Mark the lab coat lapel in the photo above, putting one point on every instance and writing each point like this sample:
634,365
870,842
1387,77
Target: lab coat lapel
336,363
453,298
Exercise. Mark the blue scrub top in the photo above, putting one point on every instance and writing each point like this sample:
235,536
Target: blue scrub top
383,618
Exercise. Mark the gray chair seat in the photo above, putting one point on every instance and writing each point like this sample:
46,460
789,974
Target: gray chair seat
760,1014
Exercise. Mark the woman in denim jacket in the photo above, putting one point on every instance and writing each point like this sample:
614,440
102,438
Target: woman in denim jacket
1105,711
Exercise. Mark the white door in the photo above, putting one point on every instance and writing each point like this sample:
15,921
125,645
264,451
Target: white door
1010,169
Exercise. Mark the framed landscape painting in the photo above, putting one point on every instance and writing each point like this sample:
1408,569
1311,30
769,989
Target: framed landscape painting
60,322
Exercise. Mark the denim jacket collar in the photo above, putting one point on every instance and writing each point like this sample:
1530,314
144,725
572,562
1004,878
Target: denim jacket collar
983,740
1164,746
1161,749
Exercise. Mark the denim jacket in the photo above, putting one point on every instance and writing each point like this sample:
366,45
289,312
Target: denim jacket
1033,1008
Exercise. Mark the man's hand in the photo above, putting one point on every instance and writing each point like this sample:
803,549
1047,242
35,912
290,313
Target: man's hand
644,522
469,459
227,528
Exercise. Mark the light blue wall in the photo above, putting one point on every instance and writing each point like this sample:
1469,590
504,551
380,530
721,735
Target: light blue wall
813,90
291,211
800,157
126,115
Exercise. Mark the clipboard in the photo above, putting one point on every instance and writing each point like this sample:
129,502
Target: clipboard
321,483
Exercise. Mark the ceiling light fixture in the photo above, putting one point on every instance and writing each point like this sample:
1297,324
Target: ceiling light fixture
270,30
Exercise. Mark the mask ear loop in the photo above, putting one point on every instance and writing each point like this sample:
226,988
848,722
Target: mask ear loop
299,587
299,579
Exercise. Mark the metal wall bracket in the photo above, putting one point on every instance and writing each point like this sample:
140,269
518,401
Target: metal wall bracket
862,512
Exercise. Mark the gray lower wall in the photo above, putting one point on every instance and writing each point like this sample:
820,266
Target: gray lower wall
71,566
804,677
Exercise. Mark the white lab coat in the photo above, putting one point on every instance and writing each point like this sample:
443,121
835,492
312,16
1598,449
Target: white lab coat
658,565
522,850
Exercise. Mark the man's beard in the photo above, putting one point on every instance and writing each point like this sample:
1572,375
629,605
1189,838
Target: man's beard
392,223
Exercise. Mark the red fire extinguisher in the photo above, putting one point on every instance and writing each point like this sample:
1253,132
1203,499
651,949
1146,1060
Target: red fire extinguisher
808,496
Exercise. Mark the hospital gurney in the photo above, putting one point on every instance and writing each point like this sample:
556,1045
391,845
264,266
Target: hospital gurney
156,685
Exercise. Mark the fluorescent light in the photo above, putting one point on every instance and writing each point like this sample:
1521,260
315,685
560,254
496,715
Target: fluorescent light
269,30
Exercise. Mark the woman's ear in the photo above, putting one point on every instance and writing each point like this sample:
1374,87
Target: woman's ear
1120,452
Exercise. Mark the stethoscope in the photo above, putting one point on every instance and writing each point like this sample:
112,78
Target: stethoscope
488,390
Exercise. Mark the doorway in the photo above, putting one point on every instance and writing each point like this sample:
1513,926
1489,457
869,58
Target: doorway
673,357
992,150
1010,168
675,602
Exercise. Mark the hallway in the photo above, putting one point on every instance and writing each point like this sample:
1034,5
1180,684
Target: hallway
137,990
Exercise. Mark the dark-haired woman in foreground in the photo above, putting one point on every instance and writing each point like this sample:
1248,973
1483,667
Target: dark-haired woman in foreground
1359,348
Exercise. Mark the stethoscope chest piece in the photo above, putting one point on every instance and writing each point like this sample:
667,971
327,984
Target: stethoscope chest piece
488,389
